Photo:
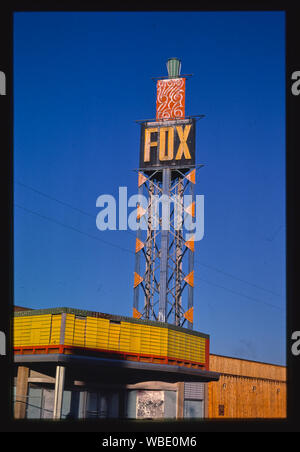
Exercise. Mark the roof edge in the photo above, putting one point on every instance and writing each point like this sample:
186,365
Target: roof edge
113,317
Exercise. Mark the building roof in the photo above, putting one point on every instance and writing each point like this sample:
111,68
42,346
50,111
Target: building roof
21,309
111,317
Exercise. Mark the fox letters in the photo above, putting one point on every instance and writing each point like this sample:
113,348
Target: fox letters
167,143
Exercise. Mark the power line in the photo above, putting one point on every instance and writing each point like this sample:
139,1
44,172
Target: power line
55,199
238,279
74,229
240,294
131,252
129,232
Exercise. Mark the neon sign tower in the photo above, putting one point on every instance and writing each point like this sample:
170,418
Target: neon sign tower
164,258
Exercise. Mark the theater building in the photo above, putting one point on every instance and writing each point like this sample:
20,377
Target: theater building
79,364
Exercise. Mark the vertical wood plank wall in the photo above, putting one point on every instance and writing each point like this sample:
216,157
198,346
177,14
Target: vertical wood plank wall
246,389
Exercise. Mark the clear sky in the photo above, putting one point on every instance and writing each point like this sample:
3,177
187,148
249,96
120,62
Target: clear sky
80,82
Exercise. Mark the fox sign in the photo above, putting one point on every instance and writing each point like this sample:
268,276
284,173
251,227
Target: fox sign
167,144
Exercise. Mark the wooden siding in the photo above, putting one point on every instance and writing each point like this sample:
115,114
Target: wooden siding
246,389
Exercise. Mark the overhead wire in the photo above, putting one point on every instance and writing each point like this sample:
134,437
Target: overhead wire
133,253
73,229
200,263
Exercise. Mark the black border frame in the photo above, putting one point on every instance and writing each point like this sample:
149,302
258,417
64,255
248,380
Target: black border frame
133,429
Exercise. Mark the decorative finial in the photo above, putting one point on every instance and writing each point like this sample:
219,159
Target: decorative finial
174,67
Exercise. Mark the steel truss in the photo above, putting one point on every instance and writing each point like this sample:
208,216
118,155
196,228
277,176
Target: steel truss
164,262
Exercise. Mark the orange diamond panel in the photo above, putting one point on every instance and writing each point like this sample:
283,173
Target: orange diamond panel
190,278
189,315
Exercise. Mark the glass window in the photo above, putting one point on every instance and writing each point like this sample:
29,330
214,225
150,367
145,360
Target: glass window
170,404
113,405
92,405
47,403
130,411
102,404
193,409
34,403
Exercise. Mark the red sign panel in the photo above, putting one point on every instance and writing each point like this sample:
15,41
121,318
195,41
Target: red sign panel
170,99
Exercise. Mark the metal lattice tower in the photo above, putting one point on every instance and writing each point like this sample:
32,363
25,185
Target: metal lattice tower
164,263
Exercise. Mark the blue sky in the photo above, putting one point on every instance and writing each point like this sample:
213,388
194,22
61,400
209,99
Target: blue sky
80,82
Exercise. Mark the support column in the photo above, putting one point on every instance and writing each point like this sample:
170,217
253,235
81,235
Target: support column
180,400
21,392
191,267
137,263
206,400
149,259
164,252
58,393
178,254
